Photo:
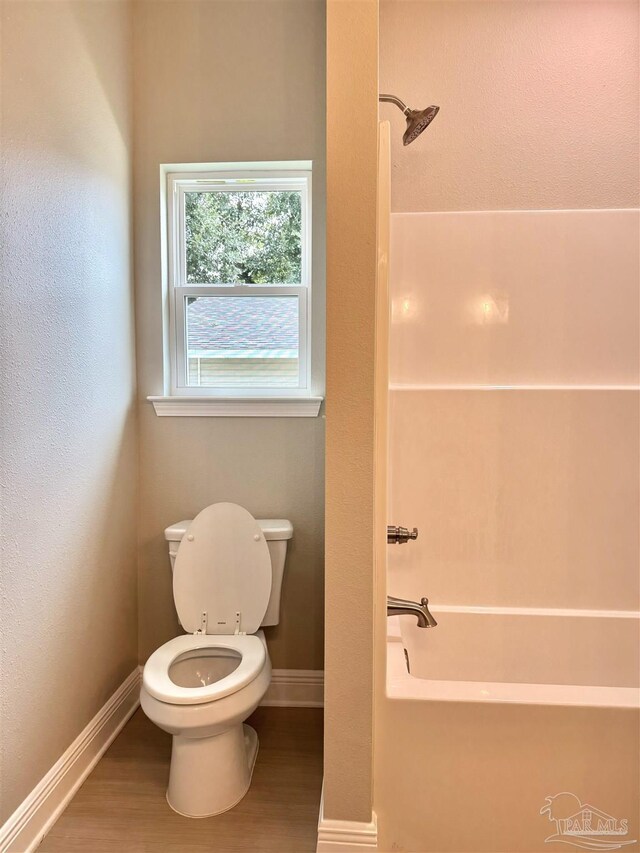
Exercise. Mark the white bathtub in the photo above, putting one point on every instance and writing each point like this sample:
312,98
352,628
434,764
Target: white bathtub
522,655
503,708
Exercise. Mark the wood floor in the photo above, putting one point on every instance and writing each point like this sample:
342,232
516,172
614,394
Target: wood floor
122,807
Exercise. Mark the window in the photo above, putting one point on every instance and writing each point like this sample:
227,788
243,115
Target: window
238,243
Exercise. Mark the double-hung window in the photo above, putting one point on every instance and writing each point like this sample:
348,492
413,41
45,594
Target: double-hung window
238,245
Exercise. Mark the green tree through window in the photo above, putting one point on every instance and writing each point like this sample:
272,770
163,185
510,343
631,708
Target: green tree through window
243,237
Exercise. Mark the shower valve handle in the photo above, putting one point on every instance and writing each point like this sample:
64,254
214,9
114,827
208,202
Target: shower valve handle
400,535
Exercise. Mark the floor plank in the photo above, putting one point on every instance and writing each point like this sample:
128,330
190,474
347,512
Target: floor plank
122,805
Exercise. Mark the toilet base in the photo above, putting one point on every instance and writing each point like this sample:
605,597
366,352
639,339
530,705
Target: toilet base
211,775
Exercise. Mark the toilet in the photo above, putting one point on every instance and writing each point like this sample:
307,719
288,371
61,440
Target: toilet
201,686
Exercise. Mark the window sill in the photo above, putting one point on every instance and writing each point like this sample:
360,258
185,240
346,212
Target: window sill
236,407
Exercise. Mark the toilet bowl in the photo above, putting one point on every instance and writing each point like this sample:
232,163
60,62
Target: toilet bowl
201,687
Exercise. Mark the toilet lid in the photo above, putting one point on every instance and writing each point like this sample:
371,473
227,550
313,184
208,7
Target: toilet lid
222,568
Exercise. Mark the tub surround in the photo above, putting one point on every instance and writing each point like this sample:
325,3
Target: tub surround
514,423
515,408
523,298
524,498
515,401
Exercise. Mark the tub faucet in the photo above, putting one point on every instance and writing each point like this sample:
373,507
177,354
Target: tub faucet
403,607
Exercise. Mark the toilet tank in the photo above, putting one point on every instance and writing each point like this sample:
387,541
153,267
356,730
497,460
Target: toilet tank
277,532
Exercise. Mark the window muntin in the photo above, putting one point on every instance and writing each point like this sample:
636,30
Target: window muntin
245,238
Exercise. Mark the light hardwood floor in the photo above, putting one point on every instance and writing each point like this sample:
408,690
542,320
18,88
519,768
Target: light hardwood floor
122,807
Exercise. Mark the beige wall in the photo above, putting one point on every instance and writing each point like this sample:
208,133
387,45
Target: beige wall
352,33
67,384
539,103
228,81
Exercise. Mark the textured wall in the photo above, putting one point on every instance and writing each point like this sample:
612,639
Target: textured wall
228,81
67,384
539,103
352,59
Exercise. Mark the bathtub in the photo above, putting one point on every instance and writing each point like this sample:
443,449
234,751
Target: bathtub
497,709
522,655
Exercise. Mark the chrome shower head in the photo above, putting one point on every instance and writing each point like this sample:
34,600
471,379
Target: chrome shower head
417,120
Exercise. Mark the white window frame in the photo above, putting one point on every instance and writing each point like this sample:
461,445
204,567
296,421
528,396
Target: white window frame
176,181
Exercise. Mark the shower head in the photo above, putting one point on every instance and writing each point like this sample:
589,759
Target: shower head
417,120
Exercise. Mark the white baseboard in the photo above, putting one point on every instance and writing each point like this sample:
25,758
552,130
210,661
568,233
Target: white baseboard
346,836
295,688
31,821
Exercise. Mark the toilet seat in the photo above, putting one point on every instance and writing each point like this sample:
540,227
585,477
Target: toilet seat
222,575
158,684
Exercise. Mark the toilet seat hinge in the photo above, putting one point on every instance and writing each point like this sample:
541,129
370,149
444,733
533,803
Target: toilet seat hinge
203,623
238,631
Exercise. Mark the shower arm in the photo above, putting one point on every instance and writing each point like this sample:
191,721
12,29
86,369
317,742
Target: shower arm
391,99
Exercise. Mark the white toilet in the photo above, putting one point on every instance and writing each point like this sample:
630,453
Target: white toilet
201,686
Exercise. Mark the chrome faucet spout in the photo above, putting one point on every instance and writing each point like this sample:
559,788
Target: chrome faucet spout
404,607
